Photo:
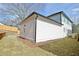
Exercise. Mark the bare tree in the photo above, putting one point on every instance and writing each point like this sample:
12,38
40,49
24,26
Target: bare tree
20,10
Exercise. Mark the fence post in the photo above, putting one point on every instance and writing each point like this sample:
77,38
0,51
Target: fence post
78,37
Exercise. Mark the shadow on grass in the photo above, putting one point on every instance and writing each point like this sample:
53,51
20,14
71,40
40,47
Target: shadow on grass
62,47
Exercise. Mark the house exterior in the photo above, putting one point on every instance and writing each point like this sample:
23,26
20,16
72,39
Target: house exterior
65,20
39,28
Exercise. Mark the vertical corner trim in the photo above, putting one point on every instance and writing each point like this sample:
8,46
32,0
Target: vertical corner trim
60,18
35,26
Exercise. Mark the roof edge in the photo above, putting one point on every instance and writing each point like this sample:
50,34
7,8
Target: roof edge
67,17
47,18
28,16
54,13
63,14
39,15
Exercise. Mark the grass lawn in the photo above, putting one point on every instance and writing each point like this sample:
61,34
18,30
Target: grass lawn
66,47
12,45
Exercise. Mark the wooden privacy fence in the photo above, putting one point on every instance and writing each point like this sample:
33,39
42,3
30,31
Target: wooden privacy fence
2,34
9,28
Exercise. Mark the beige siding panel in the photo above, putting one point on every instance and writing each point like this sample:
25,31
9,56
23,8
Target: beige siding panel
28,28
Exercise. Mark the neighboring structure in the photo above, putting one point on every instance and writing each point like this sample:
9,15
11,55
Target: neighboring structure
1,24
39,28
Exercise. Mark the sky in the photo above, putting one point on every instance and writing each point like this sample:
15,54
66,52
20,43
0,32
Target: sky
70,9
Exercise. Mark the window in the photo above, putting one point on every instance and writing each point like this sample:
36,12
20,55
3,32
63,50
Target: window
69,32
64,29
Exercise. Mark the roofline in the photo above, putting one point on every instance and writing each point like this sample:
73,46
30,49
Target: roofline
54,14
63,14
40,15
27,17
47,18
67,17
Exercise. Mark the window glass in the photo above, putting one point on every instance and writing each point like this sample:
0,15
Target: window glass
64,29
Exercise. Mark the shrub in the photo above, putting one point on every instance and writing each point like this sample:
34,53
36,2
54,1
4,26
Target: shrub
73,36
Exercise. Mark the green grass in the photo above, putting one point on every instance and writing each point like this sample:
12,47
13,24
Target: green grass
65,47
11,45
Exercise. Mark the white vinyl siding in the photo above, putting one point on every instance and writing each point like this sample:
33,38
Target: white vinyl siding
27,28
67,25
47,30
